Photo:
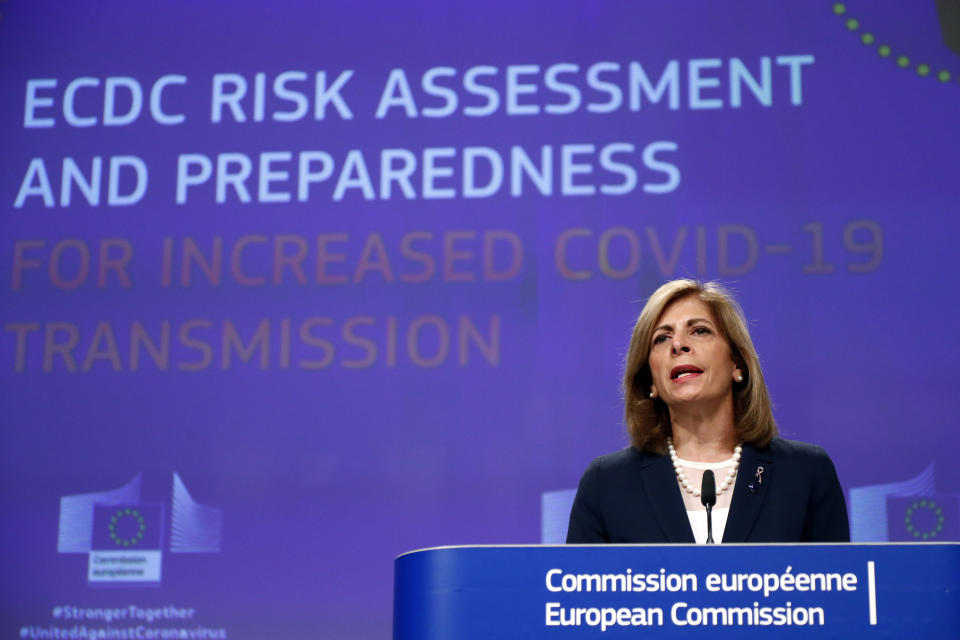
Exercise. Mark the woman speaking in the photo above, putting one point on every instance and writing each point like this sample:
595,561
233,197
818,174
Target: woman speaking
696,403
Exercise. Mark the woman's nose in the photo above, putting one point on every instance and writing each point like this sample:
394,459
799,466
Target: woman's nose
679,346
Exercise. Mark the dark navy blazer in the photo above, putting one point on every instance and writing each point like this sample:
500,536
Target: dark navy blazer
634,497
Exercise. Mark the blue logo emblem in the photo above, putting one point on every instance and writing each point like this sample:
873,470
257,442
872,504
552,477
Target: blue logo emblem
125,537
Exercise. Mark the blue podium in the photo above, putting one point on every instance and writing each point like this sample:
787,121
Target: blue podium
679,591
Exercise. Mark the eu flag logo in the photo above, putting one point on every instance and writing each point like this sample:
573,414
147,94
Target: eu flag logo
127,527
924,518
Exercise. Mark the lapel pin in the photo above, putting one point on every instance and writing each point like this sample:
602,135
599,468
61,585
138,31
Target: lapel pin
755,486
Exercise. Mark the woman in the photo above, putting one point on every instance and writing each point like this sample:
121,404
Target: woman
696,400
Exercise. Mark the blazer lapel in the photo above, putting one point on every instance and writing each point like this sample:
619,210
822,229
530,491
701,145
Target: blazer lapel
749,493
662,491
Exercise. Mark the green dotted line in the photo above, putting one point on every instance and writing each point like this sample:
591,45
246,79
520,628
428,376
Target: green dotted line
884,50
928,505
127,513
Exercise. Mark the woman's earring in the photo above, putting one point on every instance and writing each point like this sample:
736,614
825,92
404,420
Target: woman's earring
653,394
739,377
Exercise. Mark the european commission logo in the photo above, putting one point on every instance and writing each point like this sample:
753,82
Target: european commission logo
125,537
934,518
907,511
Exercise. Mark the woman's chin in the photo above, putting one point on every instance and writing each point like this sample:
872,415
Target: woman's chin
690,398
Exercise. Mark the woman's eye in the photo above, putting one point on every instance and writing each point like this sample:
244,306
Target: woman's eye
660,338
701,331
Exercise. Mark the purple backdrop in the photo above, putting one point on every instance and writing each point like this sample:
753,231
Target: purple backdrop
398,330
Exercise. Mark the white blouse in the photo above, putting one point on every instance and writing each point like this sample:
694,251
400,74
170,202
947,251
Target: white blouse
696,512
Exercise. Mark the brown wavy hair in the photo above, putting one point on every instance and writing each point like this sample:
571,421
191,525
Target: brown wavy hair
648,419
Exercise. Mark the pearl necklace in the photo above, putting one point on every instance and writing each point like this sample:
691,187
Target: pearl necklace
721,487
